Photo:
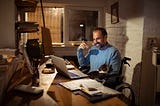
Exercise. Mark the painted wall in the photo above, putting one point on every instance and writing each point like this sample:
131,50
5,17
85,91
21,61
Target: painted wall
139,20
7,26
151,22
151,29
128,33
127,36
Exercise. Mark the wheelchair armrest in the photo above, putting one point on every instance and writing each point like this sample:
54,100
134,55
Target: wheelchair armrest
113,80
122,86
131,98
84,69
114,76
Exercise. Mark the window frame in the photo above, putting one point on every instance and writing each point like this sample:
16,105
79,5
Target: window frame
65,39
101,18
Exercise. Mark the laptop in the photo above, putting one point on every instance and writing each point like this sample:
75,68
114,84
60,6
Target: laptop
67,70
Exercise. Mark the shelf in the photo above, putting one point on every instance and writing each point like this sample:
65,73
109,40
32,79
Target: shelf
27,30
26,27
26,5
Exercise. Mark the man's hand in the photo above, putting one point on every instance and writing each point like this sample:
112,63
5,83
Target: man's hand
83,45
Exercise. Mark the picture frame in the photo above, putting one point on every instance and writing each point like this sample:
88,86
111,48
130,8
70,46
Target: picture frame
115,13
152,42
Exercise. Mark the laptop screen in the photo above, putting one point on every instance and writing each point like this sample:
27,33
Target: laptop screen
60,64
62,68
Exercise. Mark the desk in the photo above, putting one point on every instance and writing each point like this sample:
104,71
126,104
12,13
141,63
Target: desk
65,97
56,95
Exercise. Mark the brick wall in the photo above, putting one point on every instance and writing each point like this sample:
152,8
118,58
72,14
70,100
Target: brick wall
127,36
151,29
7,20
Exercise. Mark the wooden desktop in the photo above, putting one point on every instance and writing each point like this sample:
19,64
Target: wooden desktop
56,95
64,97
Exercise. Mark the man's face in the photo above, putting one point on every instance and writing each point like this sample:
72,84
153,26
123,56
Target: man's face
98,38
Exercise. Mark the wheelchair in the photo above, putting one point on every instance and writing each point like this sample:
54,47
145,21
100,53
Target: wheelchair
115,82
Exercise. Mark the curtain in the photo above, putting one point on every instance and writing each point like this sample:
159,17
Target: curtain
53,21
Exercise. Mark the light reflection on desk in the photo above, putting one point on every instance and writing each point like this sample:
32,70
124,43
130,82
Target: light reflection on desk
46,79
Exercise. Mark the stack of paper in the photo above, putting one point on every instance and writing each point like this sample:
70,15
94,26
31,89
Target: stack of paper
89,86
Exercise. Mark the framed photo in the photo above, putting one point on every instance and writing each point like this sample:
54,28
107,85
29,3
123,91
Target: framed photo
152,42
115,13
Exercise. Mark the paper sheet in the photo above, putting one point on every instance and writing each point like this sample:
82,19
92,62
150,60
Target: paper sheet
88,83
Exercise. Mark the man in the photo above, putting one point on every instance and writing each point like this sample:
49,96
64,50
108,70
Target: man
99,54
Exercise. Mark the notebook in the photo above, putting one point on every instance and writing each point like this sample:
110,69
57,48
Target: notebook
65,69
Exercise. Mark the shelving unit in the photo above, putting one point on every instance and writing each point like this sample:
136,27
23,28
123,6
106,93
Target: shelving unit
26,5
21,27
27,27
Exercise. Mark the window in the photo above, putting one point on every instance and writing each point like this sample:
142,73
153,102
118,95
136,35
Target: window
53,21
80,21
68,24
81,24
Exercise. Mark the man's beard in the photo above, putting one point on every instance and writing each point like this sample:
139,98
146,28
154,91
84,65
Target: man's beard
99,45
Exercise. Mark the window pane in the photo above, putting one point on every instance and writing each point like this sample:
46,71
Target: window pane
53,21
81,24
